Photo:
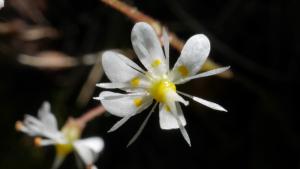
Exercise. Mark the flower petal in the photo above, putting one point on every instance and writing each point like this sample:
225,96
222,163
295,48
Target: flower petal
59,159
193,55
117,68
89,149
204,74
123,105
148,48
46,117
176,110
167,120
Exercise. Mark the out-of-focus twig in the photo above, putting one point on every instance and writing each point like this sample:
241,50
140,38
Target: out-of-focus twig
176,42
50,60
88,87
89,115
31,9
39,32
27,32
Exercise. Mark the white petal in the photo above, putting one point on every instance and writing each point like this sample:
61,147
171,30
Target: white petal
35,127
176,110
136,135
209,104
192,57
204,74
116,69
93,167
89,149
124,106
58,161
47,118
167,120
148,48
1,4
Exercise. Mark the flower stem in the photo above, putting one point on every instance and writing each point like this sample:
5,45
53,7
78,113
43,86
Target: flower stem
90,115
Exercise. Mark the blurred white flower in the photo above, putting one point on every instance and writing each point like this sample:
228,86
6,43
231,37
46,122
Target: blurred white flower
158,82
44,129
1,4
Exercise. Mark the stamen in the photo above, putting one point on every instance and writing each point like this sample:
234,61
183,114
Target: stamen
209,104
142,126
112,85
19,126
38,141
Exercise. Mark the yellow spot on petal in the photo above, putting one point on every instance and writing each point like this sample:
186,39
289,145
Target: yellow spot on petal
135,82
167,108
138,102
38,141
156,63
19,125
183,70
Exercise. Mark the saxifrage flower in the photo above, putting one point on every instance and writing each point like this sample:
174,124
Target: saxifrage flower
158,82
45,130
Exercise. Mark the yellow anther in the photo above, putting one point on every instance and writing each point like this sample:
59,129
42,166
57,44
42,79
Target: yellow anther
156,63
183,70
135,82
37,141
159,89
19,125
137,102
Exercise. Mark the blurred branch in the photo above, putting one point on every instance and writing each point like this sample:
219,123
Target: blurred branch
55,60
176,42
27,32
88,87
31,9
51,60
89,115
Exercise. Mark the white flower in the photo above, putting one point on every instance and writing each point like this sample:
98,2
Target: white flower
44,129
158,82
1,4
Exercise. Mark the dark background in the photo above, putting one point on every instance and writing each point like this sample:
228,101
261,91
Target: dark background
258,39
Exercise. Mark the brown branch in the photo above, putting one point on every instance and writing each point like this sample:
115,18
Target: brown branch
89,115
137,16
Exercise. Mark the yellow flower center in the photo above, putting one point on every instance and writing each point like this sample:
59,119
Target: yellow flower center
64,149
71,133
160,88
